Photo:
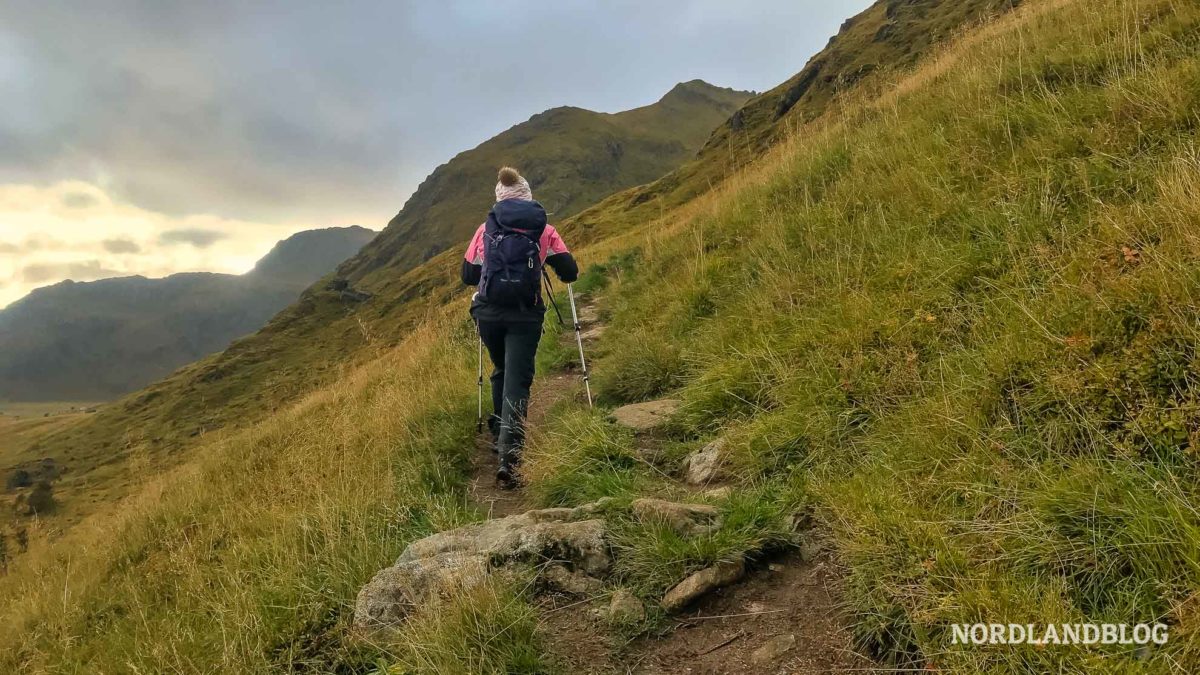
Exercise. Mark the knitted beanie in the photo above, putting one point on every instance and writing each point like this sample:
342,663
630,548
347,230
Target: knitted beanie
512,186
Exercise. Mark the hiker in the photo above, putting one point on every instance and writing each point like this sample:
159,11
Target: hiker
505,262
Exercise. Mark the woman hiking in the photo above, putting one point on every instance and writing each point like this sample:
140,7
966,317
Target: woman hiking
504,261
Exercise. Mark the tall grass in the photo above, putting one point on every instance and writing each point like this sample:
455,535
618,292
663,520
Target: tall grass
249,560
967,313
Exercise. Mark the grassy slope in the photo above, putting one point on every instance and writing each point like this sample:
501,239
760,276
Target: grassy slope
960,320
965,319
102,339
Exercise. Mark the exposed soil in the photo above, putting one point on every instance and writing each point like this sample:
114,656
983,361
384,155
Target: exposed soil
483,489
722,632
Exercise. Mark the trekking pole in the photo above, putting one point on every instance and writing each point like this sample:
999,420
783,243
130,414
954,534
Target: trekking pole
579,341
550,294
479,418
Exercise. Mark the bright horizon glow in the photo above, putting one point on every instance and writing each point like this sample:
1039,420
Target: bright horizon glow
74,230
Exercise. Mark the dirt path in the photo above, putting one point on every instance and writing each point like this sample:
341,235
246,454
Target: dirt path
791,601
548,389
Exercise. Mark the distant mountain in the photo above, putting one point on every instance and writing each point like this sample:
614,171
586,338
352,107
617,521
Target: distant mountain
572,158
100,339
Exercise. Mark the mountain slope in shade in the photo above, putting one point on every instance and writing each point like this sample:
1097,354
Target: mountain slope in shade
572,158
100,339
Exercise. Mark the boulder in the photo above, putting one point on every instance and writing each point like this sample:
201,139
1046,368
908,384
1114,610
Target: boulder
704,465
394,592
646,416
534,536
458,558
686,519
703,582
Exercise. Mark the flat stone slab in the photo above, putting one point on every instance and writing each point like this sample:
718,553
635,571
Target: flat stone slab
703,582
648,415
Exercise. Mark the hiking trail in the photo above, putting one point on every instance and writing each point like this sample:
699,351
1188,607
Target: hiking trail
782,616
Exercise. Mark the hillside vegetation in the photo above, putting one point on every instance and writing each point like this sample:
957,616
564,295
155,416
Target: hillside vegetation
953,321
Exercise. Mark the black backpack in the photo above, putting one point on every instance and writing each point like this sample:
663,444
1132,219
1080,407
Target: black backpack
512,260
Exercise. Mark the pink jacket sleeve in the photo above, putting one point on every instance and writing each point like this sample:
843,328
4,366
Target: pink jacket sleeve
551,243
474,254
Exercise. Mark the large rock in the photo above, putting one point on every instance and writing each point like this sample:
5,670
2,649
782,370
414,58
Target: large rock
394,592
522,538
646,416
703,582
686,519
704,465
464,556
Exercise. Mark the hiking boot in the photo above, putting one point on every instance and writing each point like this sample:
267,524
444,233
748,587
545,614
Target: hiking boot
507,476
507,479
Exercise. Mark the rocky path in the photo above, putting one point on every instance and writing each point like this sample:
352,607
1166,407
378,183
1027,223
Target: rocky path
734,617
783,617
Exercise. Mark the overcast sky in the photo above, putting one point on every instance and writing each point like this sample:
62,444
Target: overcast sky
153,136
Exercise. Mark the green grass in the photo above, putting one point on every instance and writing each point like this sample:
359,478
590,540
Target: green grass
756,519
488,629
579,457
968,314
954,322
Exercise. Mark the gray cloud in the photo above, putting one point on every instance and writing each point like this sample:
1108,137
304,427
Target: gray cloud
119,246
195,236
84,270
9,248
333,112
78,200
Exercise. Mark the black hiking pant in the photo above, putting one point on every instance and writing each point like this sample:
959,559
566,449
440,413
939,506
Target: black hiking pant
512,347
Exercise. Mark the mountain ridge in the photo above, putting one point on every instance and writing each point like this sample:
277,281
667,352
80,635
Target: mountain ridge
93,340
572,158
